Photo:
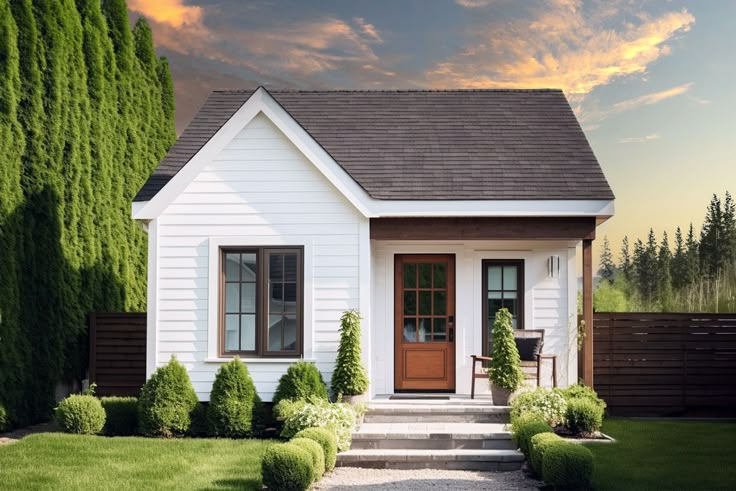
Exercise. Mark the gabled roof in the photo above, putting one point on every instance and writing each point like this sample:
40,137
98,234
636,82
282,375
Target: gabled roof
427,145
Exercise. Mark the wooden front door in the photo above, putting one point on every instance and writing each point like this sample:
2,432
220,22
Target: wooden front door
424,317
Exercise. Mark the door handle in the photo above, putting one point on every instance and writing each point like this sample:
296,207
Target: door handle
451,328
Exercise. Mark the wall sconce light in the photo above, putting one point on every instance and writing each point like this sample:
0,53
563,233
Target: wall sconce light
553,267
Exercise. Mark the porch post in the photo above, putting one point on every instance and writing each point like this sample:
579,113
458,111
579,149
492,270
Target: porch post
587,353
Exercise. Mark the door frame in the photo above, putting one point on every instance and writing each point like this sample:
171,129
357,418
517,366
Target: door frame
399,258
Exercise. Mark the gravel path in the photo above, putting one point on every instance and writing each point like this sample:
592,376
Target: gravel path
357,479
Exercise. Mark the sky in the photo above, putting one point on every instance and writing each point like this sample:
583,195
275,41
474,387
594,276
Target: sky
651,82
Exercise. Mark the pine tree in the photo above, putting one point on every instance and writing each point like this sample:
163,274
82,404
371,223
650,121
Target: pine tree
692,258
664,277
729,231
607,268
712,240
679,262
626,266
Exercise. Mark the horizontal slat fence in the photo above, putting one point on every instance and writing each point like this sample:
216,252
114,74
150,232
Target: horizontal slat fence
662,364
117,354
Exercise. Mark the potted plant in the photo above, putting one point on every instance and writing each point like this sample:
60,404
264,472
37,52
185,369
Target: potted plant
349,380
505,372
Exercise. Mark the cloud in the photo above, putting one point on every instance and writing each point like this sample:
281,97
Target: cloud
368,29
473,4
640,139
652,98
172,12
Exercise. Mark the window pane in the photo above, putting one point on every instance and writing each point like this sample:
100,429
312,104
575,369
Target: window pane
410,330
232,272
232,291
425,330
231,332
276,298
290,267
425,303
276,267
493,306
440,275
290,297
495,295
509,277
440,303
410,275
509,294
511,305
248,266
410,303
289,325
248,332
248,297
425,275
274,332
440,330
494,278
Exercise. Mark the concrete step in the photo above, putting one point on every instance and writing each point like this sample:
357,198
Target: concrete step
438,436
436,412
460,459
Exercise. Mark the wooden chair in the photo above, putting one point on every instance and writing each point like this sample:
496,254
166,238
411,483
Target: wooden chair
535,365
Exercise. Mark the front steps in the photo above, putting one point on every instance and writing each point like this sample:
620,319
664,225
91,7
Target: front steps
457,434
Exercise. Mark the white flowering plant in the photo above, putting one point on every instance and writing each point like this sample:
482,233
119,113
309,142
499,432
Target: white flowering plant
548,404
299,415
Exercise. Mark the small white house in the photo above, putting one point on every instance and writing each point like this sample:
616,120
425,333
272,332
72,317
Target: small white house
428,211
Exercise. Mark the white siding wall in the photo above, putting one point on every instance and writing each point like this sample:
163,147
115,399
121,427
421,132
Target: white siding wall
260,188
549,303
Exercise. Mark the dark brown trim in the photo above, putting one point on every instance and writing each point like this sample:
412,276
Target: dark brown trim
587,353
519,263
483,228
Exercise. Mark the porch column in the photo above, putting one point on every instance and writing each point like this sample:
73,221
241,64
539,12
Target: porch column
587,352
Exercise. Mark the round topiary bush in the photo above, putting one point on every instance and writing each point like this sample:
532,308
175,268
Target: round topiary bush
4,419
525,427
233,402
538,445
349,377
82,414
167,401
121,415
583,416
567,466
302,381
286,467
315,451
326,439
545,402
505,370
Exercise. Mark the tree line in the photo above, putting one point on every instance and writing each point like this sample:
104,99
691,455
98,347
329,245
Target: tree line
86,112
695,274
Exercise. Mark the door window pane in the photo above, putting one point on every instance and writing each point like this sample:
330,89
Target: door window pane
275,267
274,333
410,302
440,276
248,269
290,267
248,297
425,330
503,290
410,330
425,275
276,298
290,297
289,325
410,275
440,330
425,303
440,303
231,332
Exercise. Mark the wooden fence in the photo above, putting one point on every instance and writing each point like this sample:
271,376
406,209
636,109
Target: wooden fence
117,352
654,364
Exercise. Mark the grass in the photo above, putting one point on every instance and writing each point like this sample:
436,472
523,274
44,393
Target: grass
58,461
666,454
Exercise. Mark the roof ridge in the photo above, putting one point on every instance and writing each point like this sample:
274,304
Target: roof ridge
383,91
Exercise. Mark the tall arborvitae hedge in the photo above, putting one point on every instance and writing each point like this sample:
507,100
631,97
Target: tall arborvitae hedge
86,112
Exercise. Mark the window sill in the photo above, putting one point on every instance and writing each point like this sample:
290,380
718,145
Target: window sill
257,360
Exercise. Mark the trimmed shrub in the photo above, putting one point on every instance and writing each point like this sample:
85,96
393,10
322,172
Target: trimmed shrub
547,403
82,414
234,403
567,466
315,451
198,428
525,427
583,416
326,439
349,377
167,401
505,370
286,467
538,445
299,415
302,381
4,419
121,415
579,391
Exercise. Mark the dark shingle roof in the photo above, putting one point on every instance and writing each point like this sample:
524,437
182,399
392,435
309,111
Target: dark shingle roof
430,145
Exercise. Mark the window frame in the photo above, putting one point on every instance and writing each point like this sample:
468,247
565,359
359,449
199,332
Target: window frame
262,301
485,264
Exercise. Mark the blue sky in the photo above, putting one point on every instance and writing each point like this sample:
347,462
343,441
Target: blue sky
650,81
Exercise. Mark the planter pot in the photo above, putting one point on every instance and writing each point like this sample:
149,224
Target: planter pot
500,395
355,400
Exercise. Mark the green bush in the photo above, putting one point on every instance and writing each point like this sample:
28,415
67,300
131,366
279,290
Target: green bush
545,402
538,445
505,370
301,381
82,414
583,416
234,403
315,451
349,377
579,391
167,401
326,439
286,467
525,427
4,419
198,428
567,466
121,415
299,415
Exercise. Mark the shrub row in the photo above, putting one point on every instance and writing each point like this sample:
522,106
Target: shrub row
300,462
559,463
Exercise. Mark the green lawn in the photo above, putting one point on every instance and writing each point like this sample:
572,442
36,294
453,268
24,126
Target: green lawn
59,461
666,454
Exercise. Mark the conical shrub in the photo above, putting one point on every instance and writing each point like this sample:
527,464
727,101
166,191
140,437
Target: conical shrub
167,401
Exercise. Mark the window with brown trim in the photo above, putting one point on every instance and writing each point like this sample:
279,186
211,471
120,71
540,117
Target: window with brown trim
503,286
261,311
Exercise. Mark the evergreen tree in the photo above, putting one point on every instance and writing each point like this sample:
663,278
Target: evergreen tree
664,276
626,266
729,231
607,268
692,258
678,270
712,240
